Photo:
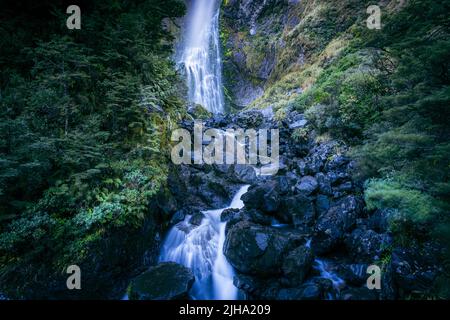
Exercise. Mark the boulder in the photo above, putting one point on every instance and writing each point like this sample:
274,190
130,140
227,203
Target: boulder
258,250
307,185
166,281
307,291
336,162
415,267
323,204
297,265
324,184
332,226
367,245
229,214
297,209
264,197
197,218
353,274
244,173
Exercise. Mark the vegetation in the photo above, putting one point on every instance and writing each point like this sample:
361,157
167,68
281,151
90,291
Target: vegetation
84,119
387,94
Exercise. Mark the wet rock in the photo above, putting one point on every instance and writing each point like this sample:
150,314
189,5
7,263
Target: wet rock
297,210
297,265
322,204
336,178
298,124
389,289
229,214
264,197
336,162
324,184
367,245
307,185
166,281
309,291
415,268
244,173
249,119
284,185
257,250
344,187
332,226
197,219
354,274
178,216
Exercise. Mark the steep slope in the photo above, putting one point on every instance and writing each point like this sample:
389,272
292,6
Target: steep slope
383,94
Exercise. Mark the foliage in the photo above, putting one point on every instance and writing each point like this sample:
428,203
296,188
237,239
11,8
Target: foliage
84,121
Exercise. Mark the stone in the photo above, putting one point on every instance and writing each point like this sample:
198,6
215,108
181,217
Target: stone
332,226
367,245
257,250
197,218
297,265
166,281
297,210
307,185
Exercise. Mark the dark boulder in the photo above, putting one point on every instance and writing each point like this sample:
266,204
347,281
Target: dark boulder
264,197
336,162
378,221
367,245
297,210
323,204
353,274
244,173
258,250
324,184
307,185
230,214
166,281
415,268
332,226
307,291
197,218
297,265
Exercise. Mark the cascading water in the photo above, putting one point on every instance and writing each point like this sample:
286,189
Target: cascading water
200,55
201,249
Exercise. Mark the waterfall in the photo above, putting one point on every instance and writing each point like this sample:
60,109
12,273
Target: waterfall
200,55
201,249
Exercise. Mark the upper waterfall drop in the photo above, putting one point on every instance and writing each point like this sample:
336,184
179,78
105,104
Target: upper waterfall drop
200,55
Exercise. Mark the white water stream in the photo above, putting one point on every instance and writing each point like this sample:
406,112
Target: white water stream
201,249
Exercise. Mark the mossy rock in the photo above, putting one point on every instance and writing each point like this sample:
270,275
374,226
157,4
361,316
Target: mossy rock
199,112
166,281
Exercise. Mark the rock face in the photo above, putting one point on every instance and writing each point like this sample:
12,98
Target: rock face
166,281
249,64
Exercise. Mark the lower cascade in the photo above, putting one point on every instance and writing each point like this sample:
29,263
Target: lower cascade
201,249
